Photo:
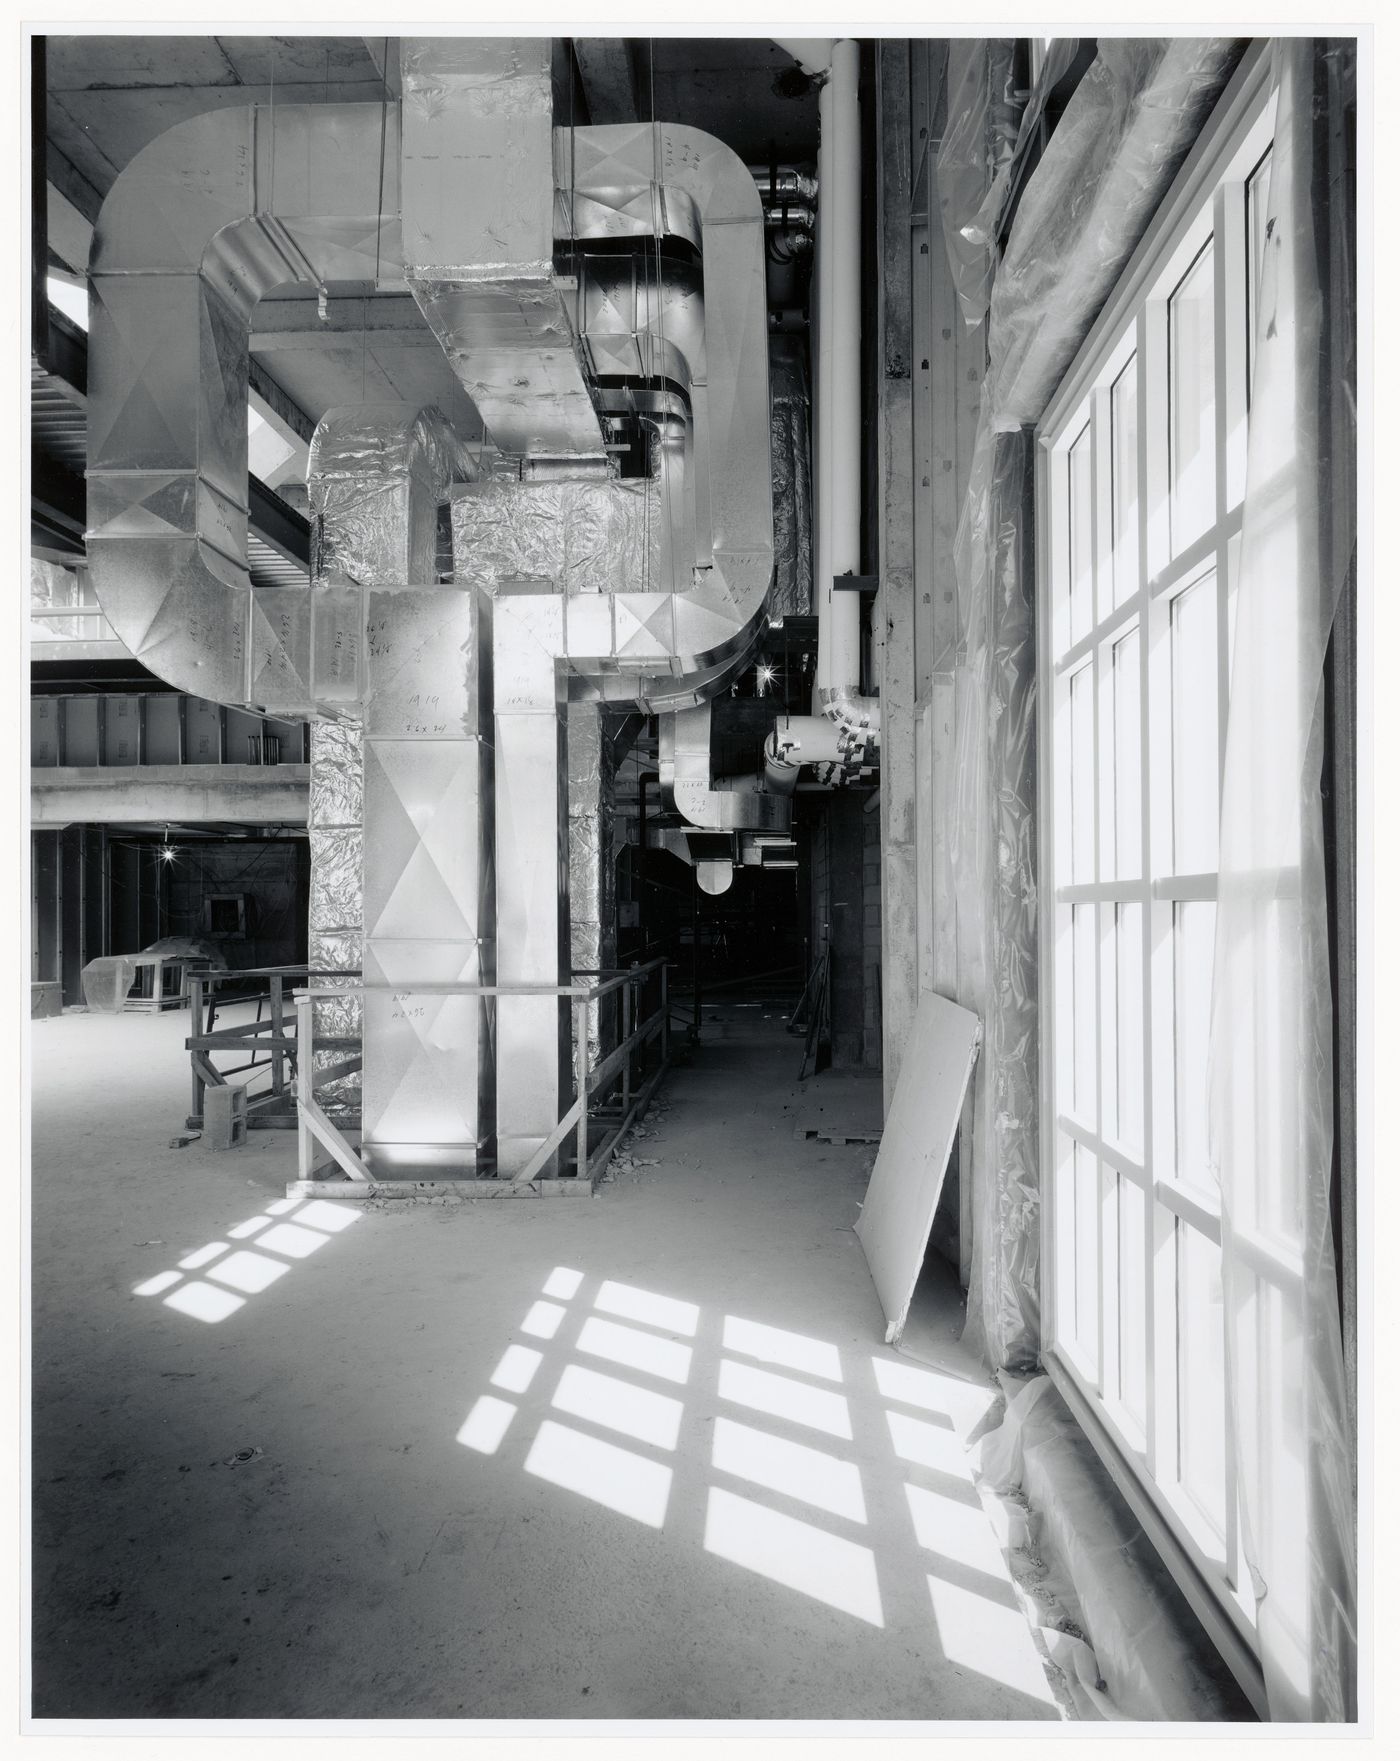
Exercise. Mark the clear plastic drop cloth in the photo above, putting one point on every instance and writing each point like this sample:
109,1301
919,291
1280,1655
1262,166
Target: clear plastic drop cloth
1108,1614
1270,1069
981,229
993,857
106,983
983,123
1114,153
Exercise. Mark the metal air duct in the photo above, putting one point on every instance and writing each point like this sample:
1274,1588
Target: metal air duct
582,605
211,215
405,794
478,238
729,805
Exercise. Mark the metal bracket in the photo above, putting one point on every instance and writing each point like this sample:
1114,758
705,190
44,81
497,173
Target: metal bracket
856,583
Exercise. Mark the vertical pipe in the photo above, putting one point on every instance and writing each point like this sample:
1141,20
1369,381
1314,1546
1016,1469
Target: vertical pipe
837,377
665,1016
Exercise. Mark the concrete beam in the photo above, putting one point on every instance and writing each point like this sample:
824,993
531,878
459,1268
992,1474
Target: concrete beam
244,794
609,79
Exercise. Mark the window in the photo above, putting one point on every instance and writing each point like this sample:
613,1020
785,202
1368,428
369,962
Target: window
1143,468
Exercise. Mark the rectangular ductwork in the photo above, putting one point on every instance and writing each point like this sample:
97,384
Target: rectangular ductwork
478,238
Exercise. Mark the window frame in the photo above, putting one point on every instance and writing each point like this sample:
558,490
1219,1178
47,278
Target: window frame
1207,202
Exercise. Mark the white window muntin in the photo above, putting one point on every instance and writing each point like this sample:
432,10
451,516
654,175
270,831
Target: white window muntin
1133,1192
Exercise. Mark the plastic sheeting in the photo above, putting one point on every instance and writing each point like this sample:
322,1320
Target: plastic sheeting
981,229
1271,1080
983,123
106,983
1109,1615
585,537
993,856
1114,153
791,593
1120,142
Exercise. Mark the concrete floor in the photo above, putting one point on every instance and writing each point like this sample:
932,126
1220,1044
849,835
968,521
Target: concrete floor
639,1457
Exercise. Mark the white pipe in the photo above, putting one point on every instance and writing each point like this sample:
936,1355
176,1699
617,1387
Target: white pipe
837,400
799,740
812,54
838,384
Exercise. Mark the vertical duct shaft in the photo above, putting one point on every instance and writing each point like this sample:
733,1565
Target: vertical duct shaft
378,475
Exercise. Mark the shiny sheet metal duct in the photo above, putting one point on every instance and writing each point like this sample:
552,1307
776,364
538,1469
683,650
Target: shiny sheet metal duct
582,604
378,474
687,785
211,215
478,238
221,209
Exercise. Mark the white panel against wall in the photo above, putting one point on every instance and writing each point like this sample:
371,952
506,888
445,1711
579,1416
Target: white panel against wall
918,1138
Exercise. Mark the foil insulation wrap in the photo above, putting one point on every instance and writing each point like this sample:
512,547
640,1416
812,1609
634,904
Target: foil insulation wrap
583,537
790,426
592,902
372,467
336,918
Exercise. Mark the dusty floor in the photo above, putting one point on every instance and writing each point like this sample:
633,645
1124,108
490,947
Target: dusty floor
641,1456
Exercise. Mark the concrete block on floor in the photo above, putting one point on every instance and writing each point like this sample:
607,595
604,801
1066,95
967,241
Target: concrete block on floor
225,1118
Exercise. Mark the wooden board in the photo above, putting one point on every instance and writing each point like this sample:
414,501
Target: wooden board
908,1175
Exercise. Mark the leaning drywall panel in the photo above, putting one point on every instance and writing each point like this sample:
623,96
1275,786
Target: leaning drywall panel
918,1139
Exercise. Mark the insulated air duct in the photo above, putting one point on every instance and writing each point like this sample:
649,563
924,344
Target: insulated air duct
210,216
378,476
583,606
589,601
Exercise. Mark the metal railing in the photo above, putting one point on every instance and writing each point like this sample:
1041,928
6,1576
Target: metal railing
617,1072
270,1043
